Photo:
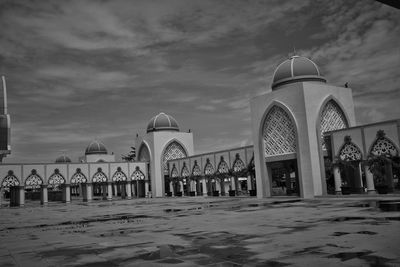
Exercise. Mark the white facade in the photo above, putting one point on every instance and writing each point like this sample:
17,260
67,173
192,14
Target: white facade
304,103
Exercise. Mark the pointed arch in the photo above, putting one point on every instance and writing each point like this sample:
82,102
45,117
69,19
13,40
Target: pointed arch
56,179
144,152
332,117
33,180
174,171
185,171
99,177
138,174
238,165
383,145
209,168
223,167
173,150
279,131
78,177
196,171
9,180
350,152
119,175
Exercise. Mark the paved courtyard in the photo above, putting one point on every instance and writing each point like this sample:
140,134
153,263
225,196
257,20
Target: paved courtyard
203,232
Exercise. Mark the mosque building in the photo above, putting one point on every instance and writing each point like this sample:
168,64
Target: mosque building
305,143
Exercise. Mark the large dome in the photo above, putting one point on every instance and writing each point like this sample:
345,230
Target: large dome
63,159
296,69
162,122
96,147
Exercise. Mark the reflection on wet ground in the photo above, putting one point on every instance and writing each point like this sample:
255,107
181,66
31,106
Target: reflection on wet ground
204,232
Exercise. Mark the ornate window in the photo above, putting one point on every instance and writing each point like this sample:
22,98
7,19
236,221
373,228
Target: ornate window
185,171
56,179
209,168
9,180
332,118
99,177
78,177
238,164
173,151
350,151
196,169
383,146
279,133
174,172
119,175
33,180
138,174
144,154
223,166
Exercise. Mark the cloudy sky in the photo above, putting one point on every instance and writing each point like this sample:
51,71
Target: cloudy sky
83,70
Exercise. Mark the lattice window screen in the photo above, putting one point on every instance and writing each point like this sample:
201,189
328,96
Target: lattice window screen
10,180
209,169
174,172
332,118
223,167
350,152
185,172
99,177
384,146
33,181
173,151
279,133
119,176
138,175
78,178
56,179
238,165
196,170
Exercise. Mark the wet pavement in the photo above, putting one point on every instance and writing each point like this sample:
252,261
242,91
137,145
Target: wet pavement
201,231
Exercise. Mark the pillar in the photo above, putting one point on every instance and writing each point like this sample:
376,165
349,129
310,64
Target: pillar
146,188
233,185
204,183
389,176
21,201
123,190
171,188
217,185
109,191
66,193
369,177
249,185
44,198
358,179
129,190
338,180
181,187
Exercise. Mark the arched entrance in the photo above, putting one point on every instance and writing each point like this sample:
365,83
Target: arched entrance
99,181
5,188
138,183
55,183
174,150
280,151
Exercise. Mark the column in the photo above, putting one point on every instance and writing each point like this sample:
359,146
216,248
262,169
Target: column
123,190
43,194
171,188
389,176
21,201
115,190
109,190
146,188
204,187
358,179
128,190
181,187
66,193
249,185
338,180
233,185
369,177
217,185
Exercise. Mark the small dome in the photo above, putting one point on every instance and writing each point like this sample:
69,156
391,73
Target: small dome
96,147
63,159
162,122
296,69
